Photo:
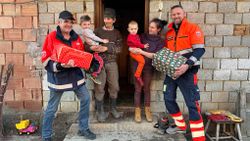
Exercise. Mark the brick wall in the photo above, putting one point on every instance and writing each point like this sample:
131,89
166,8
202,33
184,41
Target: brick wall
18,28
226,64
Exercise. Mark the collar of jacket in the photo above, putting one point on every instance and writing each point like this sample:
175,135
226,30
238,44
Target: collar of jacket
183,22
104,28
59,36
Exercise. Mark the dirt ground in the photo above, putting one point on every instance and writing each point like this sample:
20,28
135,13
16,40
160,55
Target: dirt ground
62,123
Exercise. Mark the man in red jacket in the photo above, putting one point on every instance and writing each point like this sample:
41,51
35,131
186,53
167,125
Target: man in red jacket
64,77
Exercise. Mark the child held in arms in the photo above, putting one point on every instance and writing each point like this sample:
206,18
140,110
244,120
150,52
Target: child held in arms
133,41
91,39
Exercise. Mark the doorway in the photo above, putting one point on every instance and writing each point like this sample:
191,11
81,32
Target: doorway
126,10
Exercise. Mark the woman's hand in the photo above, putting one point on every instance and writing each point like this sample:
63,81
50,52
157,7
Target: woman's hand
135,50
140,51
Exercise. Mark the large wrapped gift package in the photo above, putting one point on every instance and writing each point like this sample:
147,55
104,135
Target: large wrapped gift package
168,61
68,55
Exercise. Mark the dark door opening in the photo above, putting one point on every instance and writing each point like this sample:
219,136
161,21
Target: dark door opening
126,10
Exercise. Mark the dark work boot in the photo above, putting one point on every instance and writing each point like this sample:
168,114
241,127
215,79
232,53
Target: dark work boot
101,115
87,134
114,111
47,139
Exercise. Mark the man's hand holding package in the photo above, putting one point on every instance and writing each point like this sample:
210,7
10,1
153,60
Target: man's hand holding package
181,70
70,64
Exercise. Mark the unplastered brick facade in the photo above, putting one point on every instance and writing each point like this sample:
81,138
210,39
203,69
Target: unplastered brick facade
225,66
18,28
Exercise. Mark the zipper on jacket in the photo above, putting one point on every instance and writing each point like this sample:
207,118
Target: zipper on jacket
175,41
176,35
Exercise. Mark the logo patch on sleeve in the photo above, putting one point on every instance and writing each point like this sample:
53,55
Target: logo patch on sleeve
198,33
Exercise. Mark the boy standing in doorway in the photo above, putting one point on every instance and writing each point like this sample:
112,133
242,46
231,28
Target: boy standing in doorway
109,72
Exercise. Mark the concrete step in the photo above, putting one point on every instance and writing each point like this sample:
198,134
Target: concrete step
123,131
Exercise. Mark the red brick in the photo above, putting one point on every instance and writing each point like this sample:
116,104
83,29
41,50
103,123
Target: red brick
23,94
9,9
35,106
37,94
2,59
15,83
22,1
21,71
247,30
15,104
28,61
32,82
9,95
239,30
5,47
29,35
23,22
35,22
7,1
1,9
19,47
29,10
12,34
18,10
1,34
6,22
16,59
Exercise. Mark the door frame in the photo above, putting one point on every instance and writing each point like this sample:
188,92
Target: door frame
99,8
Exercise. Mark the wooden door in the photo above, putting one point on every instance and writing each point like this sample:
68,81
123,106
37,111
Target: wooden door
123,59
99,8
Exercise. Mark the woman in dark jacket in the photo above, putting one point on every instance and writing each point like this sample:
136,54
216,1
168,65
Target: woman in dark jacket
156,43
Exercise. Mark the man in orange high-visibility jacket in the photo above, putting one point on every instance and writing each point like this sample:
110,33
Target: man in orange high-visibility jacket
186,39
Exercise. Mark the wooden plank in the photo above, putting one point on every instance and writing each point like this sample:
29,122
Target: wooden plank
146,16
3,87
98,13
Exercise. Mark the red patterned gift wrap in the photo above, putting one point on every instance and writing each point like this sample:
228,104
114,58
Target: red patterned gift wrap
68,55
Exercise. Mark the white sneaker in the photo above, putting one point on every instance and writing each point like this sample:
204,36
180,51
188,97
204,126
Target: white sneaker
174,129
